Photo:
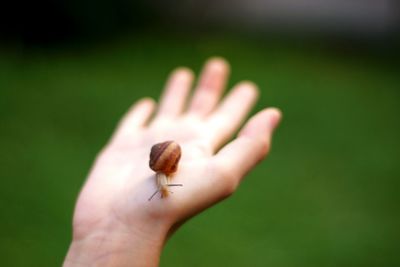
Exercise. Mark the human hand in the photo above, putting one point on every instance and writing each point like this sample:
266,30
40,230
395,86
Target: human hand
114,224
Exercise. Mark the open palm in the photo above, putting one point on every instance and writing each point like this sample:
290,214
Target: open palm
121,182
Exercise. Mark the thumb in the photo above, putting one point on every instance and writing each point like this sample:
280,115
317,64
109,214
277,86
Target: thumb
250,147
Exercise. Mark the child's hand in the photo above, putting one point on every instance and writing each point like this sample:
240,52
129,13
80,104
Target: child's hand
114,223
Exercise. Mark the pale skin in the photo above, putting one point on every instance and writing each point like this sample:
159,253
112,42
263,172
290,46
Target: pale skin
114,223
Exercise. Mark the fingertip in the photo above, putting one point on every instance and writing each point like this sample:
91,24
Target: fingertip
248,87
137,116
275,116
180,77
183,72
148,100
210,86
262,124
270,117
217,63
174,96
145,102
248,83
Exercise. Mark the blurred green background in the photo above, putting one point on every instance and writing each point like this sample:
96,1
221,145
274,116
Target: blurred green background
327,195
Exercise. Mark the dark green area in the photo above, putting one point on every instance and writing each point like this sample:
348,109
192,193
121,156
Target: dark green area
327,195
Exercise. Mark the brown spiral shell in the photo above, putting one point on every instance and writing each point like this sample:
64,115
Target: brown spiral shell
164,157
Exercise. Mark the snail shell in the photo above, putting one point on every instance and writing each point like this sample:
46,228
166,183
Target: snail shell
164,157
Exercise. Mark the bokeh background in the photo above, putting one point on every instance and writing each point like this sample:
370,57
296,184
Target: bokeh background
328,195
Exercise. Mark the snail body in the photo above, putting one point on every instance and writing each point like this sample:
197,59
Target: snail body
164,159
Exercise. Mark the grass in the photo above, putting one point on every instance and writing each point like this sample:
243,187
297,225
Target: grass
326,196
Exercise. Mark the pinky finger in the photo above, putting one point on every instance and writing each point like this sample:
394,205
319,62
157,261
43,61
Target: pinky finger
136,117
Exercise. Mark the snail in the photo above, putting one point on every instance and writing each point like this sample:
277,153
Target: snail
164,159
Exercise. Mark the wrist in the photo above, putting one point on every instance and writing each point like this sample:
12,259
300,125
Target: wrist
116,244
